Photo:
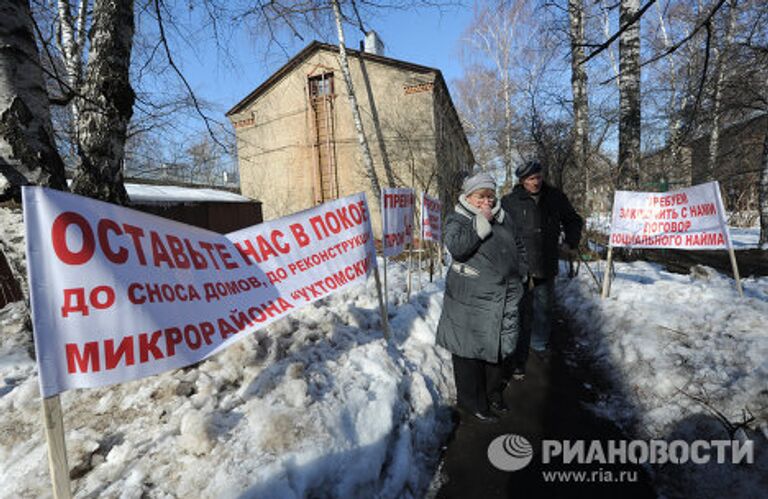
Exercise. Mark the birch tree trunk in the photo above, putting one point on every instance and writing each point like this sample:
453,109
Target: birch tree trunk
365,150
71,46
763,189
721,64
580,142
629,98
676,122
107,104
28,152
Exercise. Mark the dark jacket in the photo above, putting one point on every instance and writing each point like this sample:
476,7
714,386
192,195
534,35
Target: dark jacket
540,225
483,282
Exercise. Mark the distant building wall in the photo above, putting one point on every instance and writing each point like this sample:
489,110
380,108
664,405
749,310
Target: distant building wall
277,132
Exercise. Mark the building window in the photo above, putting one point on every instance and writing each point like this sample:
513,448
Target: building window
321,86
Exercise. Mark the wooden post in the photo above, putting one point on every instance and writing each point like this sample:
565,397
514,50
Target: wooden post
607,274
421,250
735,266
409,286
57,448
439,257
727,233
382,302
386,291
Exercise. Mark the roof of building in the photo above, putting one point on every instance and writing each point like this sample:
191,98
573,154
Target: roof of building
311,49
144,193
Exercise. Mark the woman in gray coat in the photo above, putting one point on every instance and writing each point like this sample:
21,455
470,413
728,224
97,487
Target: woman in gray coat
479,324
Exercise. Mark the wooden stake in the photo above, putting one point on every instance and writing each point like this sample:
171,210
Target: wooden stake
735,269
421,250
386,290
57,448
728,242
607,274
382,302
409,286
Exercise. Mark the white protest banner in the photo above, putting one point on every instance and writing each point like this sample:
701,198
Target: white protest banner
689,219
118,294
431,221
397,217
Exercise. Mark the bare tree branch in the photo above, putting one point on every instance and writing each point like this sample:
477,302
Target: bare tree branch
207,120
621,30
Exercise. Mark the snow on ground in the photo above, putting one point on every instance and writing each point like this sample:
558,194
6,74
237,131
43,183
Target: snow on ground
12,242
677,349
317,404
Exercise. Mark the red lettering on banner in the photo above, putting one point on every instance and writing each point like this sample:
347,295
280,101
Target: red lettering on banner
703,210
226,329
80,361
319,288
248,251
659,227
299,235
198,259
121,255
392,200
59,239
172,338
108,301
357,213
668,200
189,330
177,250
77,295
705,239
148,345
206,329
226,257
136,234
167,250
343,217
112,358
209,248
316,221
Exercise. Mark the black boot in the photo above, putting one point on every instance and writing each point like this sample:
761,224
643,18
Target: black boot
497,404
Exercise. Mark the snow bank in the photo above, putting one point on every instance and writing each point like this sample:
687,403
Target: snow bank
315,405
683,354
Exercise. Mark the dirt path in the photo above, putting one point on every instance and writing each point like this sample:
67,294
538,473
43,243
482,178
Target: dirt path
548,404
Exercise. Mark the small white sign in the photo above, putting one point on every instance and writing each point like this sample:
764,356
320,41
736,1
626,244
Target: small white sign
397,218
689,219
431,218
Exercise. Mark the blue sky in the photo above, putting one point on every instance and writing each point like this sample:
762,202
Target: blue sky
428,37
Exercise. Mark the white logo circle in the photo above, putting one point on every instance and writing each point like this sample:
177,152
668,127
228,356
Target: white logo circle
510,452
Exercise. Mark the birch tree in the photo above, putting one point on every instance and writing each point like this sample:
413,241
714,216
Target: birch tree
71,43
28,152
721,53
580,141
763,189
628,175
107,103
496,35
365,149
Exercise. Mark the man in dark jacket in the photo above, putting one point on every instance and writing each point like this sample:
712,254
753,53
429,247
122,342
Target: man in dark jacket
540,213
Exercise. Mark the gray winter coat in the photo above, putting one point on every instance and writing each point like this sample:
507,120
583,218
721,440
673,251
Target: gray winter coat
483,287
